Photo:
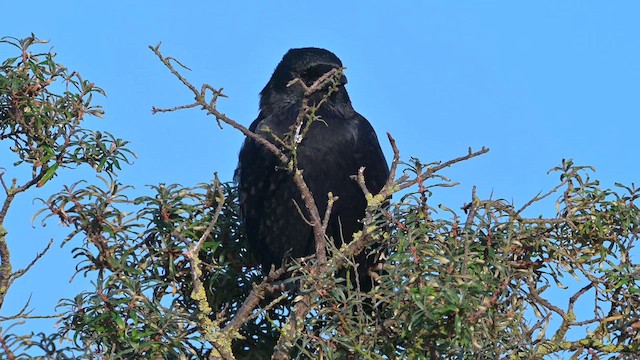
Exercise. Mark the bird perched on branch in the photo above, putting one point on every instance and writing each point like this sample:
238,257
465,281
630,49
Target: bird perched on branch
328,152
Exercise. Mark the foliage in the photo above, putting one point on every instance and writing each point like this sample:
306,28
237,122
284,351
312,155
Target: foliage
173,278
42,107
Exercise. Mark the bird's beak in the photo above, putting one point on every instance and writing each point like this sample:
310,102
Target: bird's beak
343,80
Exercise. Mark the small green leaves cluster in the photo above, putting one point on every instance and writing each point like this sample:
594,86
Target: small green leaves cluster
42,106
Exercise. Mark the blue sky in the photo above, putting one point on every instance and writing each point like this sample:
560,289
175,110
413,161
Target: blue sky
533,81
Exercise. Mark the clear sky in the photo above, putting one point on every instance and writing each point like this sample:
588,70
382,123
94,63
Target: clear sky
534,81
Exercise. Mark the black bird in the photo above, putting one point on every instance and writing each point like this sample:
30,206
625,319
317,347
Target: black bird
332,150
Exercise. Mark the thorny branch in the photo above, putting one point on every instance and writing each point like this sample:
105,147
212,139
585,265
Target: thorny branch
210,106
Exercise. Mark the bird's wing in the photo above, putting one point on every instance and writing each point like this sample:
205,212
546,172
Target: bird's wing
266,191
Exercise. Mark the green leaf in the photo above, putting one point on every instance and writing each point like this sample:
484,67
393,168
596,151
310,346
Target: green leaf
48,175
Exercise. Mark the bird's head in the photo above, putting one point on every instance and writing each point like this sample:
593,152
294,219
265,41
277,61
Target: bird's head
306,64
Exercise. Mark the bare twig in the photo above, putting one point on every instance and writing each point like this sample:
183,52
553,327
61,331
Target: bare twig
39,255
155,110
327,214
432,170
472,207
200,97
25,313
318,233
252,301
361,183
538,197
394,162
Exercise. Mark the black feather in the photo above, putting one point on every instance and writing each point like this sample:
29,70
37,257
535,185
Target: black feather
332,151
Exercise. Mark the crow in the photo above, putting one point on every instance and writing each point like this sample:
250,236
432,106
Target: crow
331,151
